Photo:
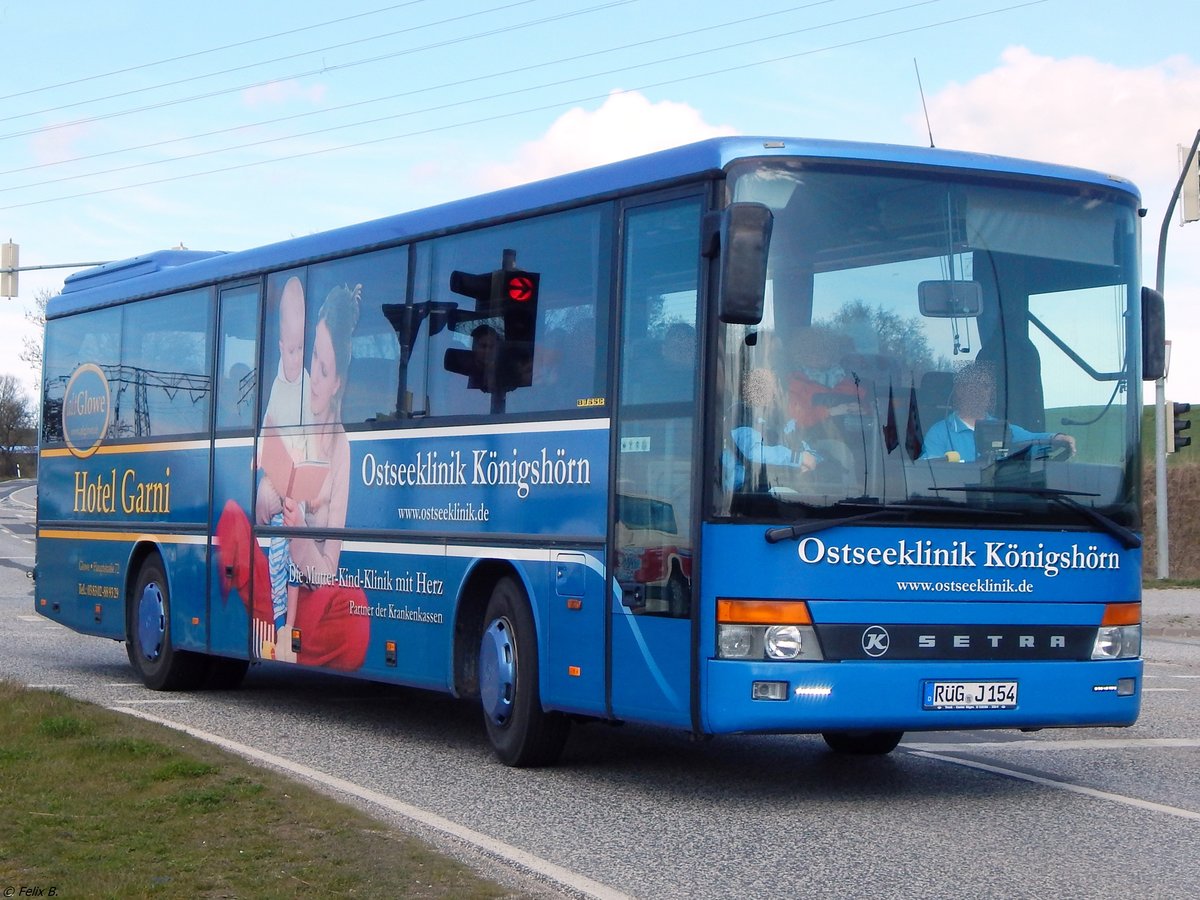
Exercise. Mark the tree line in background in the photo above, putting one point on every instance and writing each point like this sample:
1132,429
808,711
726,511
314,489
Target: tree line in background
18,412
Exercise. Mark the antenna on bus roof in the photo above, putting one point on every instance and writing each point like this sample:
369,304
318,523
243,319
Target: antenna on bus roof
921,89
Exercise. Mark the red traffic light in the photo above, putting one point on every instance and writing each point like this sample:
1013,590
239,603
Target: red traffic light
520,288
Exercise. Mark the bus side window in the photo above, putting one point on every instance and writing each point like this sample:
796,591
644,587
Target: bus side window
569,251
236,360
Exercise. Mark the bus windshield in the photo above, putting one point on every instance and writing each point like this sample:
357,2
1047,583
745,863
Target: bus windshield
932,348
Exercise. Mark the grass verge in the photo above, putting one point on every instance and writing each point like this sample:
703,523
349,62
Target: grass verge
99,804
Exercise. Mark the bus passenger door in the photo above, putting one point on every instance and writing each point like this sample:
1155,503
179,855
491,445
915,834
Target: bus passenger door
651,507
236,387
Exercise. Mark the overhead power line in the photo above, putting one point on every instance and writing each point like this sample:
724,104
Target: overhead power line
209,50
321,70
266,62
530,110
450,84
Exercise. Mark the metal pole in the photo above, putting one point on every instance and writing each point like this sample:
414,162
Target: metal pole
1160,392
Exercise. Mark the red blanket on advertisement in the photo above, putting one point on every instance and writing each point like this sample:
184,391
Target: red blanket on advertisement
329,635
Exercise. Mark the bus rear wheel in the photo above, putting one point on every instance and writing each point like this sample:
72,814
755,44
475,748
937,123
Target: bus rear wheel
862,743
521,732
148,641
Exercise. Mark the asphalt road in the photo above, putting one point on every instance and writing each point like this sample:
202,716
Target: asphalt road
649,813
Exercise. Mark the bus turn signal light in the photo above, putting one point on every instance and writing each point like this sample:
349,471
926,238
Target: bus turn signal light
1122,614
763,612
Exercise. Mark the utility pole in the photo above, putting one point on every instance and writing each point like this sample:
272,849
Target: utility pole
1160,386
10,254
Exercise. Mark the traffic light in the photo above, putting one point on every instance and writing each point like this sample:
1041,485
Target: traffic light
503,327
1175,440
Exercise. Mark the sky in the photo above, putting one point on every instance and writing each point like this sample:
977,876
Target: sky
127,127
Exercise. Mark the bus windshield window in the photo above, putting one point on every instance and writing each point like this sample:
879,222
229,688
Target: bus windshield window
937,344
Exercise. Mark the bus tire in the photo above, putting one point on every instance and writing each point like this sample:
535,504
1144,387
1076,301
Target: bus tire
521,732
148,629
862,743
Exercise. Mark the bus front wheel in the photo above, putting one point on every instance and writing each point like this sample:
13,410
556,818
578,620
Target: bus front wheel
148,642
521,732
863,743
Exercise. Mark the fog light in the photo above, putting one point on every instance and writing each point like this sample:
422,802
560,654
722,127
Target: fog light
736,641
784,642
769,690
1126,687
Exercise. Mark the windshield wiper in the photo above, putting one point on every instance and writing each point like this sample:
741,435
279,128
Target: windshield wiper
879,511
1128,539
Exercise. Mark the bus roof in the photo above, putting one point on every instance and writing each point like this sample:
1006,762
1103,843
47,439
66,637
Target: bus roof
174,270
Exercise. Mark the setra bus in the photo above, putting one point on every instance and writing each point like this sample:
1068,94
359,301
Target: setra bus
751,435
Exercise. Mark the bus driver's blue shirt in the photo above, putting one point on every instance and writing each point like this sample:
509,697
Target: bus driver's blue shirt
952,433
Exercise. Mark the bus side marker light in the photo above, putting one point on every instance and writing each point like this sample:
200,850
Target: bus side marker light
195,620
389,653
574,671
575,603
97,611
295,640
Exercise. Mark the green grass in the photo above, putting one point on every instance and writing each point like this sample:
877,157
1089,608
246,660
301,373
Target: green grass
102,805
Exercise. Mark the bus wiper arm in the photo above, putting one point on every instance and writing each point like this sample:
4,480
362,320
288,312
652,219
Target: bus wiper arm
1128,539
786,532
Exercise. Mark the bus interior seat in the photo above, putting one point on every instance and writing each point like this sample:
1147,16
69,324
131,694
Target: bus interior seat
933,396
1019,396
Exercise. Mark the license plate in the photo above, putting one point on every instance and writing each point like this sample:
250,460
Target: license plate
970,695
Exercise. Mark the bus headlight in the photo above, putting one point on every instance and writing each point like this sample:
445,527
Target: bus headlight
783,642
766,629
1117,642
737,641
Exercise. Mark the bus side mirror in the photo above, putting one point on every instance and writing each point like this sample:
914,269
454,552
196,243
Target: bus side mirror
745,240
1154,335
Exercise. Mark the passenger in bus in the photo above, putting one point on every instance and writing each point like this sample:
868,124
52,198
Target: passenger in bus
331,634
819,387
285,407
766,435
972,399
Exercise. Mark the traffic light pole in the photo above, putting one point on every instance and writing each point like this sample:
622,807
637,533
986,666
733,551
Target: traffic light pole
1160,392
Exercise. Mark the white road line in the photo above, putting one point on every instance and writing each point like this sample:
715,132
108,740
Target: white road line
49,687
152,702
520,858
1030,744
1147,690
1094,793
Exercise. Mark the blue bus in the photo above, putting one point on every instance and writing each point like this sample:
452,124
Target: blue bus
751,435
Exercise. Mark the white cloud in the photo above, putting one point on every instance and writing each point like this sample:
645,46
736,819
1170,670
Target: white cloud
627,124
1083,112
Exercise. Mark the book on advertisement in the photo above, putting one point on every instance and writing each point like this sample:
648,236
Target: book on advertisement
299,479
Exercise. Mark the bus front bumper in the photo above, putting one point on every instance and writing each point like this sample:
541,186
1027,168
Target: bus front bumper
814,697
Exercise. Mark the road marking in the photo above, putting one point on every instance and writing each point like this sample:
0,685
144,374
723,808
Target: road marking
149,702
1033,744
520,858
1094,793
1166,690
49,687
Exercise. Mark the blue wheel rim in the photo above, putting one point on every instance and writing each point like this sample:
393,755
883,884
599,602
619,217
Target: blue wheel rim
498,672
151,622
